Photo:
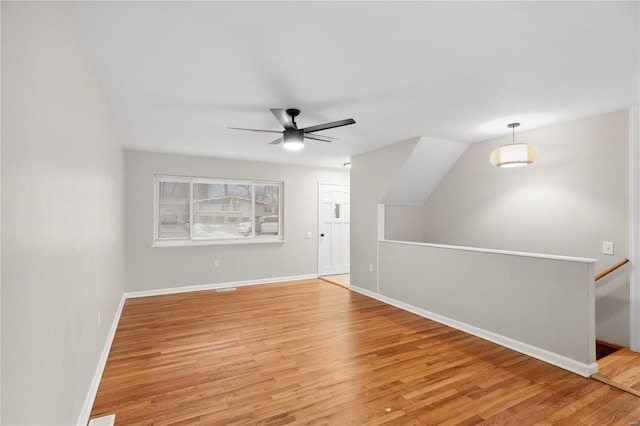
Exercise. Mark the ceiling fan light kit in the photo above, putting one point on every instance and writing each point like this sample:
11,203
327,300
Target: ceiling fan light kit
514,154
292,137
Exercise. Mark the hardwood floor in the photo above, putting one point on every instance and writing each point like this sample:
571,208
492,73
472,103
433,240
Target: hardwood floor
341,279
621,369
604,349
311,352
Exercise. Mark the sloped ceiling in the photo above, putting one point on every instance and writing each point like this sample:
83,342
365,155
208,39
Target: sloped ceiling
429,162
177,74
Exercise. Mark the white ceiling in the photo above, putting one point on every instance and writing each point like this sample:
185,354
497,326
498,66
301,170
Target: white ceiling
177,74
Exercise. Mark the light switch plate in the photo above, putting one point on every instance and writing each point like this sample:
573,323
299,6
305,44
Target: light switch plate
309,235
607,248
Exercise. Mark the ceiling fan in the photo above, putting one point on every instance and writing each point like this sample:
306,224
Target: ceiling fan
293,137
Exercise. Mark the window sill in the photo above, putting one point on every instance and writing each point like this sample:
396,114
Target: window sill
231,241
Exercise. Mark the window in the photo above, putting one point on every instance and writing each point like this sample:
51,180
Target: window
267,207
219,209
173,210
193,210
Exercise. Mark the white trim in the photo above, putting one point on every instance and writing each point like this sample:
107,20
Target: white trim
591,315
109,420
85,412
382,210
318,227
186,289
157,179
634,226
192,240
492,251
585,370
382,223
205,242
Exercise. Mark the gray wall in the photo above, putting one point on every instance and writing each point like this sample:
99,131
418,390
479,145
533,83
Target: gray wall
371,176
613,308
62,217
150,268
567,203
403,223
539,306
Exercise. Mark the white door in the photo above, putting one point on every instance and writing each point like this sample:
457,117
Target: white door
334,226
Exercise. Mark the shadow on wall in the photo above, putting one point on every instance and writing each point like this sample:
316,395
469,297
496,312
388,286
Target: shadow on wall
612,308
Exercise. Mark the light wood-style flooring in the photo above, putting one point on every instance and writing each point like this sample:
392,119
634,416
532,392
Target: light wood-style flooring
622,370
341,279
310,352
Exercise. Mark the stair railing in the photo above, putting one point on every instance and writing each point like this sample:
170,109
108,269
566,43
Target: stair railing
610,270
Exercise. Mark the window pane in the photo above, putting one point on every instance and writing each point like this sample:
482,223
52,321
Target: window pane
268,210
173,210
221,210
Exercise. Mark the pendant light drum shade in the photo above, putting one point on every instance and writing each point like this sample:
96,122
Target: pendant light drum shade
514,154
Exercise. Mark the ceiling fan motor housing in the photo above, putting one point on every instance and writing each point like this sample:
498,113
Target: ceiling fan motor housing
293,135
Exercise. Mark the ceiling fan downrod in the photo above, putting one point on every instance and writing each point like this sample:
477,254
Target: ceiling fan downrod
293,113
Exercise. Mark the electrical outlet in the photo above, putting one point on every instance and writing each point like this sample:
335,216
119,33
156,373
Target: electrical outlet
607,248
216,263
309,235
370,267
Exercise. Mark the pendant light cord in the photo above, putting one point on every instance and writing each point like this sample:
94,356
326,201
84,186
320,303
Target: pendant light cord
513,130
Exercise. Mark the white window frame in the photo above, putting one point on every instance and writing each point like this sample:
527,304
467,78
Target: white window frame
192,240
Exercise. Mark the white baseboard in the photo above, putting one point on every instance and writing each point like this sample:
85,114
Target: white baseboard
186,289
109,420
535,352
585,370
83,419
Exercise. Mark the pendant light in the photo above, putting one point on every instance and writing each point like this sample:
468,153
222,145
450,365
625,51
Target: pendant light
514,154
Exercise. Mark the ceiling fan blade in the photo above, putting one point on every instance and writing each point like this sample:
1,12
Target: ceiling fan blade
317,138
276,142
284,118
255,130
325,137
331,125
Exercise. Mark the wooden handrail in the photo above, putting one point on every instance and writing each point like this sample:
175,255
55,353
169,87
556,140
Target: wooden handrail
610,270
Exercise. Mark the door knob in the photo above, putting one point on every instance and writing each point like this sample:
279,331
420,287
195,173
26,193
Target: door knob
322,235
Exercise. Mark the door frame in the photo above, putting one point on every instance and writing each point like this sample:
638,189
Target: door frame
319,224
634,226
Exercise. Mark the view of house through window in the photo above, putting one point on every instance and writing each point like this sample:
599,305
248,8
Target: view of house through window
219,210
173,210
212,209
